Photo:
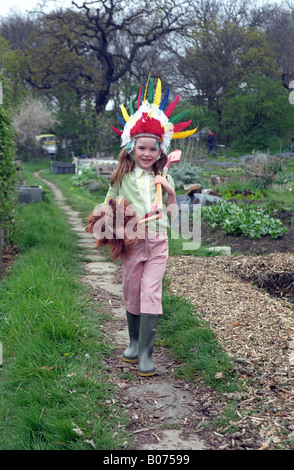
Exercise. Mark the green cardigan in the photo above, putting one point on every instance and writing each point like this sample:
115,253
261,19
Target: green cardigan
129,189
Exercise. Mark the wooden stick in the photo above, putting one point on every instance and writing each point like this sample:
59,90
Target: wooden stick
149,219
159,197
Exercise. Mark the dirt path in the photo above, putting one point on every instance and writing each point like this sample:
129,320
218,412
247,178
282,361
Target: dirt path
165,413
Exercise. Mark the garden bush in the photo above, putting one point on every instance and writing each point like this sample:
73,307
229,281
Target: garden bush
8,178
185,173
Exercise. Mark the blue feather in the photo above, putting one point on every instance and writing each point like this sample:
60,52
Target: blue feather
164,101
121,120
143,90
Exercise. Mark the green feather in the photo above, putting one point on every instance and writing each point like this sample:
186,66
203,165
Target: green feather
178,117
131,106
151,91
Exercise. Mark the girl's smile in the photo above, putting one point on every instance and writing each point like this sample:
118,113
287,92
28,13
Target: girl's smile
146,152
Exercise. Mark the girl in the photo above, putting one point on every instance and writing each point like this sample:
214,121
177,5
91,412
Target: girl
146,137
136,179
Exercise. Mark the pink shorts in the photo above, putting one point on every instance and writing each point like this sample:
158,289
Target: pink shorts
143,272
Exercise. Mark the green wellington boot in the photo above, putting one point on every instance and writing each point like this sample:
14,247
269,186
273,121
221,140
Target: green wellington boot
131,353
147,334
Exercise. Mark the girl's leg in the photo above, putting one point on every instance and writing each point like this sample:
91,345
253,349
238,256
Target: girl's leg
148,325
152,275
132,270
151,301
131,353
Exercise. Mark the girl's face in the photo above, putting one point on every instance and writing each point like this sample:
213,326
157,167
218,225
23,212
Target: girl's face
146,152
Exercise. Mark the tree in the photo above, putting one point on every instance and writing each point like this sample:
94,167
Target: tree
278,25
94,46
222,52
33,118
10,62
255,113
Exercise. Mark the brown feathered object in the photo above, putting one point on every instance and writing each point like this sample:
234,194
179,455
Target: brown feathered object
116,226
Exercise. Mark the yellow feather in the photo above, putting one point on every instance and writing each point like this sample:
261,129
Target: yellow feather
182,135
124,113
157,96
145,93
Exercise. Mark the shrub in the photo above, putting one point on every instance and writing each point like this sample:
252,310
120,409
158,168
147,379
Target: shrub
185,173
8,178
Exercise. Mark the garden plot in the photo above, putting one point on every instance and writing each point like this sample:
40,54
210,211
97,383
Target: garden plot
255,327
273,273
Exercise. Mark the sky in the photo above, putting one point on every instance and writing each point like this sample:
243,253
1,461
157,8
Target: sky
22,6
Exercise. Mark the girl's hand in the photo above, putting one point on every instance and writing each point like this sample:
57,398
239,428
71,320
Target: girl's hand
171,201
165,184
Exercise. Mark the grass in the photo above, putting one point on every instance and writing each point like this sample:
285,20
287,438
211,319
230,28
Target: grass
194,344
54,391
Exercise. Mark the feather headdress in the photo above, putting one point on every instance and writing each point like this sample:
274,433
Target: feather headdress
153,117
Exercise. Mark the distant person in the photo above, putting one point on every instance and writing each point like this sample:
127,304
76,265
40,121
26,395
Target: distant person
291,143
211,143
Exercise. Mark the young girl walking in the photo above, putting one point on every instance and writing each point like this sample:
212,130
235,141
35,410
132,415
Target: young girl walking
145,138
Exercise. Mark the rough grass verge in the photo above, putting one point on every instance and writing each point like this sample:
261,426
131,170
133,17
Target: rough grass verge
54,391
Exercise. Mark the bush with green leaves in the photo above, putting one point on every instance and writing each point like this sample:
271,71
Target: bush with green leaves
88,179
83,175
234,220
185,173
8,178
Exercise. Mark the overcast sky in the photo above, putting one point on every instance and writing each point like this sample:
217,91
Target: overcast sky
22,6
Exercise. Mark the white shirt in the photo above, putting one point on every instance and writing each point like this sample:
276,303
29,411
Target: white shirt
146,186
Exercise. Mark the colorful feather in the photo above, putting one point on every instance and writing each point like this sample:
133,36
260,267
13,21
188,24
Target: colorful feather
131,106
121,120
139,97
151,91
143,91
178,117
118,132
124,113
182,135
172,106
179,127
146,88
157,97
164,101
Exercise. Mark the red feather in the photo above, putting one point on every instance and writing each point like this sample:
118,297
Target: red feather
179,127
172,106
116,130
139,97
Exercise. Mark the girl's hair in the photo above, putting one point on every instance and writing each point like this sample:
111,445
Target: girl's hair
126,164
